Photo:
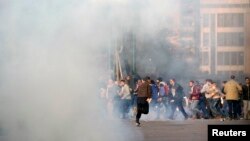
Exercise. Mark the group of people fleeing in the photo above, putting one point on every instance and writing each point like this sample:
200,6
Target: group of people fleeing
229,100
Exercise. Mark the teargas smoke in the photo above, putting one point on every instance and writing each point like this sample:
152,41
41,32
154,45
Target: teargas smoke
50,64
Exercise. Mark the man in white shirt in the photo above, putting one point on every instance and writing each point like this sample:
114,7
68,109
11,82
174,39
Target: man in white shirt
125,98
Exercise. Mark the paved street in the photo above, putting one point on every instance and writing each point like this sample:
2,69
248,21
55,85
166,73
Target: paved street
189,130
170,130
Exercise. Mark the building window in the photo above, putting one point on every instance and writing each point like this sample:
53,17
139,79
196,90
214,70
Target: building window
241,58
230,39
226,58
230,58
205,58
230,20
220,58
220,39
205,39
205,20
233,58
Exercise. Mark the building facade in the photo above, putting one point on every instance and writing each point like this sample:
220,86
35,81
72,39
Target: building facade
224,32
189,25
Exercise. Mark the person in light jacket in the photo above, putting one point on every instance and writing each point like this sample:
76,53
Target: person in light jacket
232,90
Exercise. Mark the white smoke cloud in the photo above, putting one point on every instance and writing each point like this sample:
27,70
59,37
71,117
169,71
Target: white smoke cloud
49,65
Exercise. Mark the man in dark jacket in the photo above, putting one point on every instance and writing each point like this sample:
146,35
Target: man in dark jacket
246,98
143,99
176,98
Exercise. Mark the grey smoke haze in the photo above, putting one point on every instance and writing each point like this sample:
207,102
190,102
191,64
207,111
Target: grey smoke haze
49,64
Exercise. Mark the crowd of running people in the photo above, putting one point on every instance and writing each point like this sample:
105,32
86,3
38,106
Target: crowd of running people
229,100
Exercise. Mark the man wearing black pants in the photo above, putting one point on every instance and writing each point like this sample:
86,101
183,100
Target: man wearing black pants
176,98
143,99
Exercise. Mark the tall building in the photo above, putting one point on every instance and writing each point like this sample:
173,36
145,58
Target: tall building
225,35
189,27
